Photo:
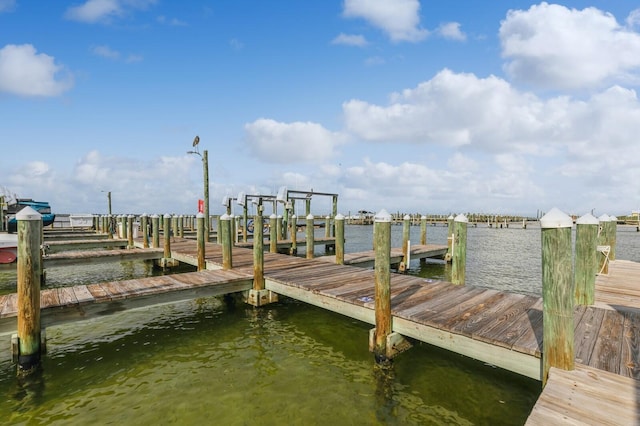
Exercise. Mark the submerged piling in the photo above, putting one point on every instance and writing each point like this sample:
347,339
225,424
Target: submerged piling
557,293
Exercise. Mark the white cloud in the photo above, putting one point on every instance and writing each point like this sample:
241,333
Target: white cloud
451,31
551,46
276,142
27,73
400,19
350,40
456,110
93,11
633,20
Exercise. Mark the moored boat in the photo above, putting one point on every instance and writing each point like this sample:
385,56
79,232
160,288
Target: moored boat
41,207
8,248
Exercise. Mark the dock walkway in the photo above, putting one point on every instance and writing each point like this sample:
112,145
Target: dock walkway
499,328
366,258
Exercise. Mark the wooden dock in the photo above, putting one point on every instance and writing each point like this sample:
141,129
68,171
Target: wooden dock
81,302
366,258
286,244
499,328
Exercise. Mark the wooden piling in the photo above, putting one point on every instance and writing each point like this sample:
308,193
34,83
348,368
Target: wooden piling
339,223
202,265
294,235
586,263
612,237
309,236
166,232
144,228
29,274
273,233
174,224
423,230
406,229
603,243
225,235
258,252
181,226
279,227
155,224
557,293
449,254
459,249
130,231
382,233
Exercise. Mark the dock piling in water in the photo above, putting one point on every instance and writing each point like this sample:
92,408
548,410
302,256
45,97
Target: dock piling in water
144,228
155,224
29,273
382,233
200,239
459,249
406,228
309,236
225,236
557,293
273,233
294,235
339,223
586,266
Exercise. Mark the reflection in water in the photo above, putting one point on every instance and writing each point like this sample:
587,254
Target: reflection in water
28,389
386,404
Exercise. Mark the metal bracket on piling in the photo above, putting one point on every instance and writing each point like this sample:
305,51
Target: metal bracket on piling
396,343
260,297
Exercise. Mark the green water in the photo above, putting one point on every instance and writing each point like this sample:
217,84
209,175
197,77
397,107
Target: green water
208,362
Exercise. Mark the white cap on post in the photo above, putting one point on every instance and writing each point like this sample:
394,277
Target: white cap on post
556,219
461,218
382,216
587,219
28,213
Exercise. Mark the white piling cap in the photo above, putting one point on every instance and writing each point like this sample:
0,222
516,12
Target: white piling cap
225,217
152,216
167,216
273,216
406,217
200,215
604,218
613,218
450,217
556,219
587,219
310,217
461,218
339,216
382,216
293,216
423,217
28,213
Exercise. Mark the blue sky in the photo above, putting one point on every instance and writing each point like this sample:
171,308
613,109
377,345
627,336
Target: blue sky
413,106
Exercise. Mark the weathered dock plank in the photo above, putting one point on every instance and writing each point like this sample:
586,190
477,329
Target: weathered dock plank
587,396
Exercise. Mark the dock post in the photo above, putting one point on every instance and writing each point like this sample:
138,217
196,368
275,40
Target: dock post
258,252
130,231
309,236
294,235
273,233
155,224
174,224
233,230
2,225
201,246
181,226
258,295
144,223
225,235
327,234
29,275
613,229
382,233
334,213
447,257
423,230
279,227
586,259
557,293
166,233
218,225
406,229
459,249
339,223
603,244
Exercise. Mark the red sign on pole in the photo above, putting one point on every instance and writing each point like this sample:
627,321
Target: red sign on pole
200,206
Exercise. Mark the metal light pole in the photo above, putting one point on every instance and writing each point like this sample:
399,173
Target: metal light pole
205,172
